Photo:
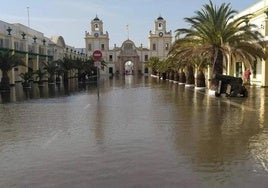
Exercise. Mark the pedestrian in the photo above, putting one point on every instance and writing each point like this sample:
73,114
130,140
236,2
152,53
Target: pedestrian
247,75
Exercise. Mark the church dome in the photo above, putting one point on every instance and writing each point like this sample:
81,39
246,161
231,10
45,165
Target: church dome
96,18
160,18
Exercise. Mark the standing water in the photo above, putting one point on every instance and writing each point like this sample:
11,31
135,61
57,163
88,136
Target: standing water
143,132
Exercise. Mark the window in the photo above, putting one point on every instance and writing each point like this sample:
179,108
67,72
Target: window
96,26
146,70
89,47
110,57
102,46
146,58
167,46
154,46
160,26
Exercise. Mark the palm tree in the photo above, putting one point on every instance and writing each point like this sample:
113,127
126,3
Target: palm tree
51,68
90,70
153,63
216,32
65,65
40,74
27,78
8,61
158,66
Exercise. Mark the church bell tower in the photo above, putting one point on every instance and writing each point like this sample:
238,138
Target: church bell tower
160,39
96,39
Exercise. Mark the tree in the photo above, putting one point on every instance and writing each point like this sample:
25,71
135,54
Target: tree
214,31
155,64
65,65
51,68
40,74
8,61
27,78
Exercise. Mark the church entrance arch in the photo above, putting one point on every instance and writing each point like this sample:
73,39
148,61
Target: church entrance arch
129,68
128,59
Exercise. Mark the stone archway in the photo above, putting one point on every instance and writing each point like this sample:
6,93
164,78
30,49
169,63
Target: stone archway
128,53
121,64
129,68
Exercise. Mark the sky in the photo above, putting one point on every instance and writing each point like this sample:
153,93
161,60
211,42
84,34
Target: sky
71,18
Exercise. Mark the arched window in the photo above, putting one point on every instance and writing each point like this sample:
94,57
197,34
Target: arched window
96,26
160,25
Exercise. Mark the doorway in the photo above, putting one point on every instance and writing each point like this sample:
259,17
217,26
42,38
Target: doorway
129,68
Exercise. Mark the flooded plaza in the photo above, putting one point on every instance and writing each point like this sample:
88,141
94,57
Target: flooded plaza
142,132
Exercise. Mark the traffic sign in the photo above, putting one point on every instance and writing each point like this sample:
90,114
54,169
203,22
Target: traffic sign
97,55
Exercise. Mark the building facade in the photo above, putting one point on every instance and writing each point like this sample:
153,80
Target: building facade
259,70
128,58
33,47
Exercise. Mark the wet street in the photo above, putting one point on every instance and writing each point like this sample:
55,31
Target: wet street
142,132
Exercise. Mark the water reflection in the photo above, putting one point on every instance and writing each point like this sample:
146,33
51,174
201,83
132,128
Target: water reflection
18,93
143,132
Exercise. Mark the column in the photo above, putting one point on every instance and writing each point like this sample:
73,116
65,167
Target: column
11,73
36,56
23,69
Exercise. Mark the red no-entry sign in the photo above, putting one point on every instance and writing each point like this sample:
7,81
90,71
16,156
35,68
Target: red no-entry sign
97,55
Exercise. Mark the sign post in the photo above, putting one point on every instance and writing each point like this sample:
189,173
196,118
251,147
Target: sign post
97,55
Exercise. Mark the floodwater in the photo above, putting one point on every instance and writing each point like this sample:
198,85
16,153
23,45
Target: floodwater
142,132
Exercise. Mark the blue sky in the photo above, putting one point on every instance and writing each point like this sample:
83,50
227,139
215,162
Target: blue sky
71,19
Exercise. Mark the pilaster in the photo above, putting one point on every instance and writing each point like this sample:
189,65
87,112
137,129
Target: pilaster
11,73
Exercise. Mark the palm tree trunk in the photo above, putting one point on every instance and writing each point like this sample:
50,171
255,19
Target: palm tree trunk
200,79
190,75
176,76
5,81
182,77
217,69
